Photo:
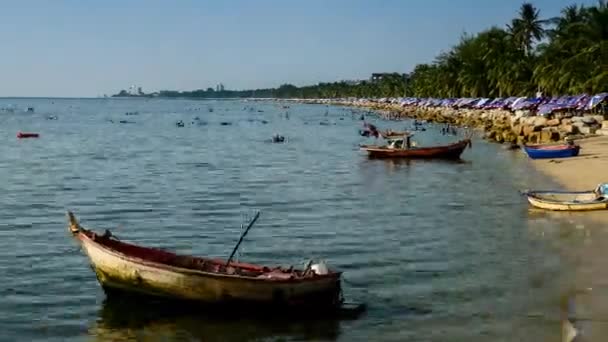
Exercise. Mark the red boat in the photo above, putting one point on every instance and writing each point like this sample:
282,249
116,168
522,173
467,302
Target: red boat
22,135
402,148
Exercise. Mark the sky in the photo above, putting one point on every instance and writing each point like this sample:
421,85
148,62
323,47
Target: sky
78,48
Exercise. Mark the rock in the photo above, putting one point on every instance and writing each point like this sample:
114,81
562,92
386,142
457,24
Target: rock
518,130
566,121
545,136
553,122
499,139
603,131
576,119
521,140
528,120
569,129
589,120
578,124
540,121
605,124
508,136
587,130
514,122
534,138
598,118
527,130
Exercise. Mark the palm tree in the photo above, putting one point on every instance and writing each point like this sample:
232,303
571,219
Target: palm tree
527,27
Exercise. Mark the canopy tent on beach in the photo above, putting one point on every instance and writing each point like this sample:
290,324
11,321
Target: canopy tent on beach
539,105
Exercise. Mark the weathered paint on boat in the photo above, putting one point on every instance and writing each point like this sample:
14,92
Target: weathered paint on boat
150,271
452,151
552,151
569,201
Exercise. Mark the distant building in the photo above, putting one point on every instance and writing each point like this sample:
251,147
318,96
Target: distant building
219,87
139,91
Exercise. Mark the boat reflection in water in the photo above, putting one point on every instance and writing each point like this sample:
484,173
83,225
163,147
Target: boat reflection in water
128,318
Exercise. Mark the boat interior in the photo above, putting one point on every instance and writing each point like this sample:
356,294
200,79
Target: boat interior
583,197
160,256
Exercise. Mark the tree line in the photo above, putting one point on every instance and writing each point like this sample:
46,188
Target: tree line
567,54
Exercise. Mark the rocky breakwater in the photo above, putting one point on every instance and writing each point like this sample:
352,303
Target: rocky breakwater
538,129
499,125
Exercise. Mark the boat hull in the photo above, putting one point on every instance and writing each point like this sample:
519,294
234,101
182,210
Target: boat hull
452,151
116,272
544,152
567,201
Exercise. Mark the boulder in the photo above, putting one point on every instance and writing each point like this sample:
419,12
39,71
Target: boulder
603,131
548,136
545,136
534,138
587,129
540,121
605,124
528,120
508,136
589,120
518,130
490,135
576,119
521,140
527,130
569,129
578,124
566,121
553,122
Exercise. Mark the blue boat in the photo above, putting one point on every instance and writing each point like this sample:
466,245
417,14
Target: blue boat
552,151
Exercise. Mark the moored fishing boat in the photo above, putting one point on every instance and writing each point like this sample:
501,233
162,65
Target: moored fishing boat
24,135
552,151
403,148
570,200
127,268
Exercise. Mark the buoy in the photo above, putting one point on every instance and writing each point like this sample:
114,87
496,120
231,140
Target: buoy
22,135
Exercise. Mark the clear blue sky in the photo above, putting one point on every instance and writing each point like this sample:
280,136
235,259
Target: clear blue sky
89,48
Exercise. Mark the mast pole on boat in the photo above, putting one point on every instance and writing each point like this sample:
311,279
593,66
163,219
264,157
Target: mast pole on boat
255,218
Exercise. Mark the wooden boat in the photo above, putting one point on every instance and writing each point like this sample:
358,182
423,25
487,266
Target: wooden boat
402,148
126,268
570,201
24,135
552,151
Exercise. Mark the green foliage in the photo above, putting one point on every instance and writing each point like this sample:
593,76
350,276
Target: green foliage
563,55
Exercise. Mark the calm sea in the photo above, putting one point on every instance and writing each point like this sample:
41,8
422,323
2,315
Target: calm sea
440,251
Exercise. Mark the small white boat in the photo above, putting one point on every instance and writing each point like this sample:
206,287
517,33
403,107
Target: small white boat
570,200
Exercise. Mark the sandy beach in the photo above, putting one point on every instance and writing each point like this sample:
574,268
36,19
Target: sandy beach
583,172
